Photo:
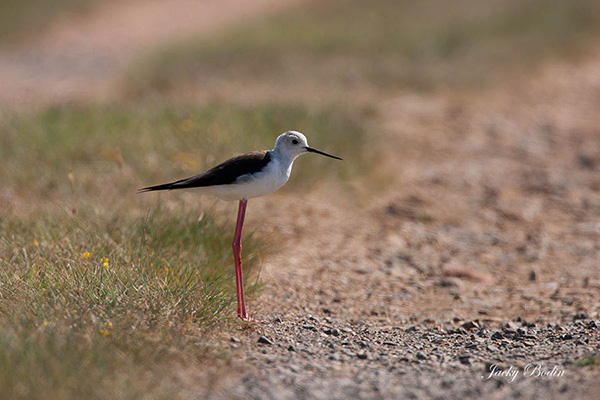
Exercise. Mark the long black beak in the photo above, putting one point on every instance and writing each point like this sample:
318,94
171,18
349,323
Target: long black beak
311,150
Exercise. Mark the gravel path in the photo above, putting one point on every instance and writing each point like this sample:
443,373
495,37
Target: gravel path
483,253
319,357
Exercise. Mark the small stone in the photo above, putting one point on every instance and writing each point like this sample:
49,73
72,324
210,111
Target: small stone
580,315
277,320
566,336
532,276
470,325
336,332
510,326
492,348
586,162
389,344
464,358
234,340
497,335
309,327
264,340
291,348
421,356
362,355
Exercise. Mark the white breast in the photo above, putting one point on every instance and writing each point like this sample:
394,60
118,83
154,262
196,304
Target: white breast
248,186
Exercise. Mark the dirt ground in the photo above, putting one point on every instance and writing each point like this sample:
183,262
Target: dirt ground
483,251
480,255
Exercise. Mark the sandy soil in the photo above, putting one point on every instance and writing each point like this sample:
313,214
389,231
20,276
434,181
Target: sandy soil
482,251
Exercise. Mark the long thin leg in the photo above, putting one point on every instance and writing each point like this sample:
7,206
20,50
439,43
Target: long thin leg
237,256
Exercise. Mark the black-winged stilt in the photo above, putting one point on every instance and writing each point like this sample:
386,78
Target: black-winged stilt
249,175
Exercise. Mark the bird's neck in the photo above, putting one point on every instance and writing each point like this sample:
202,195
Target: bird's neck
284,158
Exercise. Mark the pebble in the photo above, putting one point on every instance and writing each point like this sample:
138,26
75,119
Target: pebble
264,340
492,348
470,325
464,358
497,335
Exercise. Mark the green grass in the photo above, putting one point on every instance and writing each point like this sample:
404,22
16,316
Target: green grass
20,19
73,327
106,305
384,43
586,361
110,151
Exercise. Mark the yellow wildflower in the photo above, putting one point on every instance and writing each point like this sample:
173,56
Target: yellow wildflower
186,125
166,270
104,333
110,324
45,323
87,254
36,243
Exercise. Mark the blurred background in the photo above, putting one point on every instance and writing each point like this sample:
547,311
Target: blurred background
473,121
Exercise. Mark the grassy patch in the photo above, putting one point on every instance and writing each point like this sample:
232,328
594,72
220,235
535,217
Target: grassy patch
106,153
108,294
19,19
586,361
383,43
105,305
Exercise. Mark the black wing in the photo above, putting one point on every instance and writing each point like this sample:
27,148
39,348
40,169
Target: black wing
223,174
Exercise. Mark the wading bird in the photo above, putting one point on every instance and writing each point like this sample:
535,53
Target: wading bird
249,175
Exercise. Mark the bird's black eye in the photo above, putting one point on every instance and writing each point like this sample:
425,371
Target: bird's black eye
295,141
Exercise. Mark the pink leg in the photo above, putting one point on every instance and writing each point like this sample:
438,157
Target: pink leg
237,256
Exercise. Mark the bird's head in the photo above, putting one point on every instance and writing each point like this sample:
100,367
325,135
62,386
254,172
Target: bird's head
292,144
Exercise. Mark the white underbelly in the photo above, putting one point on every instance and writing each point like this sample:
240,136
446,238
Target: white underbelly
248,187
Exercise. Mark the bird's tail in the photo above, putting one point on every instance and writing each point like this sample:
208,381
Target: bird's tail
164,186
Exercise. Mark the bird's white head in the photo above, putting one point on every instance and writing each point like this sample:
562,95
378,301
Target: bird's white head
291,144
